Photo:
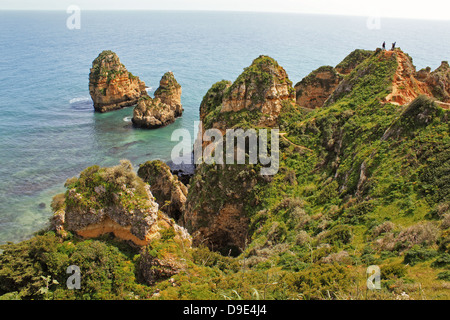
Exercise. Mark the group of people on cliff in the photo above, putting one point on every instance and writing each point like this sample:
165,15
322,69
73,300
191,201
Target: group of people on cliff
392,48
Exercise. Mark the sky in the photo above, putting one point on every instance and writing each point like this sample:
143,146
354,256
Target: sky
414,9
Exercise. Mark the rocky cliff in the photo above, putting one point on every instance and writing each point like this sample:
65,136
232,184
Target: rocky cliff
313,90
438,81
111,200
111,85
163,109
219,195
169,193
362,180
262,87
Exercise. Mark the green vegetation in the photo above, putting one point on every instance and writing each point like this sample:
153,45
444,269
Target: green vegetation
261,73
107,65
170,83
98,187
353,59
361,182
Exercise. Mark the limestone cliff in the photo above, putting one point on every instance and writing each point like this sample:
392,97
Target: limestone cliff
169,193
313,90
111,200
438,81
161,110
352,60
111,85
219,195
405,86
169,92
263,87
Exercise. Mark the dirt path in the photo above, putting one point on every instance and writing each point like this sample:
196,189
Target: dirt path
282,134
405,87
443,105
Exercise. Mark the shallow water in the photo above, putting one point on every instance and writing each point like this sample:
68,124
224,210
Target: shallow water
49,131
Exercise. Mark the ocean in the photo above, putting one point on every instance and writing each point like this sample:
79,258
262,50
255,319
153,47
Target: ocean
49,132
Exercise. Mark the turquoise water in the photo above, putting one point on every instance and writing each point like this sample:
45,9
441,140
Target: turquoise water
49,132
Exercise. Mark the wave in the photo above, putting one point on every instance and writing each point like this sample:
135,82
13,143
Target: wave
127,119
80,99
81,103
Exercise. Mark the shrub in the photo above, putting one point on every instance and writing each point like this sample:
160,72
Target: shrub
383,228
392,271
442,261
341,257
204,257
338,234
418,254
302,238
444,275
324,281
422,233
277,232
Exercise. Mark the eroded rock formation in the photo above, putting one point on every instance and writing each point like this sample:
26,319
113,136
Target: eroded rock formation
169,193
263,87
111,85
313,90
163,109
111,200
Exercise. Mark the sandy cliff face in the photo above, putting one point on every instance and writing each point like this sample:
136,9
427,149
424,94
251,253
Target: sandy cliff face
315,89
405,86
163,109
111,86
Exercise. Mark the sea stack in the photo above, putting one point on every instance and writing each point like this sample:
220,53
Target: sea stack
162,110
111,85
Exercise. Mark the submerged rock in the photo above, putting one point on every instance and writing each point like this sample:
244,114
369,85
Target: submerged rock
111,85
162,110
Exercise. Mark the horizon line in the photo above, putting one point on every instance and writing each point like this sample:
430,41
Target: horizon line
235,11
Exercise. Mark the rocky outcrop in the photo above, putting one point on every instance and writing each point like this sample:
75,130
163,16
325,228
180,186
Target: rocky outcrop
153,269
162,110
351,61
313,90
110,200
215,212
169,193
438,81
213,98
263,87
111,85
165,256
405,86
169,92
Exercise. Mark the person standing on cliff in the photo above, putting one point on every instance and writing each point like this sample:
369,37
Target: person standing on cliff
393,46
384,45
